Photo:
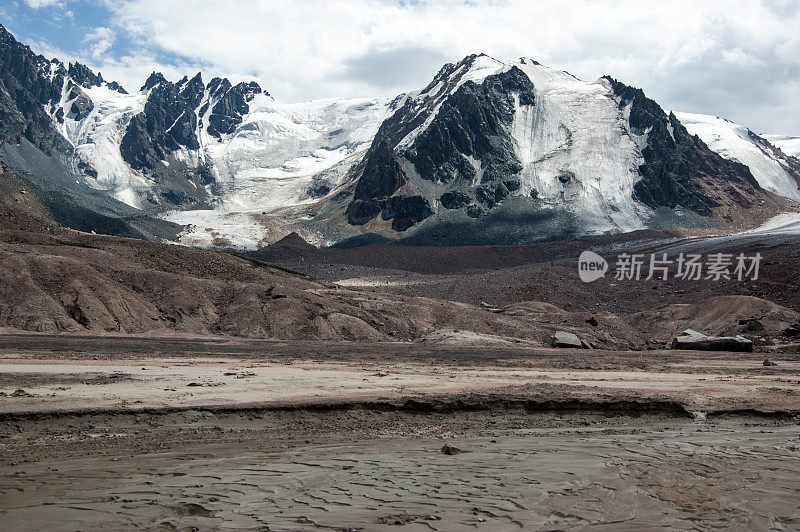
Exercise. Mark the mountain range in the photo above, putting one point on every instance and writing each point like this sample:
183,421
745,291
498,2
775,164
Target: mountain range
489,152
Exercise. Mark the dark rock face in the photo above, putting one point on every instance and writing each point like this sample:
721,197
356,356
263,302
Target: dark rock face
82,75
231,107
152,80
360,212
170,122
114,86
491,195
405,211
167,123
473,123
375,187
80,105
454,199
29,83
468,135
678,167
385,177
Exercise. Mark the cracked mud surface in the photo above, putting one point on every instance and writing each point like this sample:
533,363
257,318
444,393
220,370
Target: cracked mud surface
376,471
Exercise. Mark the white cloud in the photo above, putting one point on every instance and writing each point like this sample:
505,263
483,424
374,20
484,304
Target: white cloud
36,4
734,58
99,41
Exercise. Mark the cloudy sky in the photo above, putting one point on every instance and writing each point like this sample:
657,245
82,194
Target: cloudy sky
734,58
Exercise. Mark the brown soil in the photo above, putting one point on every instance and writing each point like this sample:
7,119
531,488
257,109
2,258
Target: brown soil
503,275
140,401
74,282
77,282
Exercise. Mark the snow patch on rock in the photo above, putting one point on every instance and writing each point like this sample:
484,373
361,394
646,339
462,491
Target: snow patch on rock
97,137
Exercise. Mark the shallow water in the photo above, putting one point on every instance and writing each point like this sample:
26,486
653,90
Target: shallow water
680,474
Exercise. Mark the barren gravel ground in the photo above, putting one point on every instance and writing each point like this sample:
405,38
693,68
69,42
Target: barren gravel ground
502,275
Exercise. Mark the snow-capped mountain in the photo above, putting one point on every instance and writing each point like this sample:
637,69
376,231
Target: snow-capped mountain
38,96
518,151
215,156
488,152
188,144
773,169
483,132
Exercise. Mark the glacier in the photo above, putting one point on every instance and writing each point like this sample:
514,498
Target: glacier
738,143
577,129
271,158
96,139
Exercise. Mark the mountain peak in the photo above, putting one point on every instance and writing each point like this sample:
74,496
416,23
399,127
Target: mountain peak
294,242
83,75
154,79
197,79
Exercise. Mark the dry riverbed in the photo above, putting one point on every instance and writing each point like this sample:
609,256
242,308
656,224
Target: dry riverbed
371,470
213,433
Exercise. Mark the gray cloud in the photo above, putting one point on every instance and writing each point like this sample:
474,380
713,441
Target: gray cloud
397,68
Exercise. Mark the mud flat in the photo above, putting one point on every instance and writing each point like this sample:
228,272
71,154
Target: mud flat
371,470
119,433
41,374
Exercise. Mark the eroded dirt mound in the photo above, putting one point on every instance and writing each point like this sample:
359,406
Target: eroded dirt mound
719,316
20,206
593,328
75,282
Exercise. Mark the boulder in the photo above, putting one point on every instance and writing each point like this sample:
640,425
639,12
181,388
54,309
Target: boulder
691,339
564,339
451,449
792,331
752,325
